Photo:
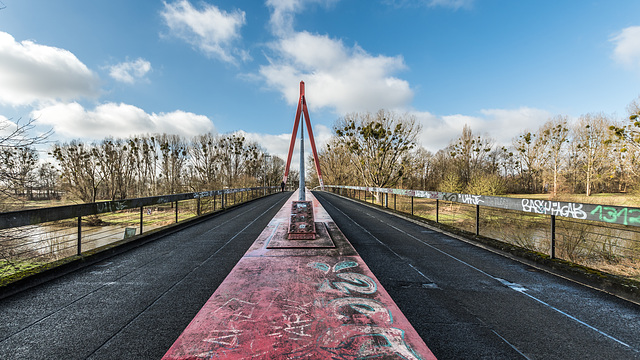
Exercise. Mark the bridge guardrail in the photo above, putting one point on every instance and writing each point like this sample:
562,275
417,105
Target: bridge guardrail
30,238
580,232
622,215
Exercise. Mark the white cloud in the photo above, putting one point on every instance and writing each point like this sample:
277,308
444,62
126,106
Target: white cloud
278,145
72,120
31,73
130,71
502,125
210,29
627,47
345,79
283,13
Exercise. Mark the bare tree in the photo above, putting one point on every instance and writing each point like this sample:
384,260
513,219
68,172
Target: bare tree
335,167
173,149
15,135
630,132
590,138
78,169
240,159
555,134
377,143
205,161
530,156
470,154
420,170
48,180
19,157
19,170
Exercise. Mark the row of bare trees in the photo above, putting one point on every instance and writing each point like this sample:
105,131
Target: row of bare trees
163,164
592,154
139,166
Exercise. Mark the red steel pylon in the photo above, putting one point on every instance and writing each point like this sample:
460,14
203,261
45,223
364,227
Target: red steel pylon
302,108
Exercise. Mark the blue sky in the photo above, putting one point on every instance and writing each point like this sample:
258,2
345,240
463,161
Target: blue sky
88,69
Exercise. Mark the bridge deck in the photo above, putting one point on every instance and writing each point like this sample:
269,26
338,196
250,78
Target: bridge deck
465,302
289,299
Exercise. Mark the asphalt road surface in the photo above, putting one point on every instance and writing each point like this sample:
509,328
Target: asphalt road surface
470,303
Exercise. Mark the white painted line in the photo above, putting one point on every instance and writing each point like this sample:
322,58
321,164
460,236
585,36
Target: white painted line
276,224
510,344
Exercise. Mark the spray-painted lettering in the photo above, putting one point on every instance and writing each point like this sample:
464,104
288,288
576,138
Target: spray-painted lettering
572,210
612,214
470,199
366,331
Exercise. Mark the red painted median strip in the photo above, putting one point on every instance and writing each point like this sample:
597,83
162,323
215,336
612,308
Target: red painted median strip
308,303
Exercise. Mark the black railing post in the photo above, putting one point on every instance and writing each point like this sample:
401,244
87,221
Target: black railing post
394,201
552,251
198,204
477,220
437,211
386,201
79,235
412,205
176,211
141,217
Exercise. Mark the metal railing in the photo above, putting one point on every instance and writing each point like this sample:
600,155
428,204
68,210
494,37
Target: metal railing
30,238
601,236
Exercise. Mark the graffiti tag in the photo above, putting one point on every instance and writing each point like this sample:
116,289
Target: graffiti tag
615,215
572,210
470,199
358,337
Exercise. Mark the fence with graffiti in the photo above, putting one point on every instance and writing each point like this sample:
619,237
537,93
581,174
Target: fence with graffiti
602,236
610,214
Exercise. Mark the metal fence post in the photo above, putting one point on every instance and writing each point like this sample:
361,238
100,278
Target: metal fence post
437,211
477,220
394,201
141,217
553,237
176,211
198,204
79,235
386,201
412,205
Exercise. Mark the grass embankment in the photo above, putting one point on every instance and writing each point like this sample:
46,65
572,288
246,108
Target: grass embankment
13,267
